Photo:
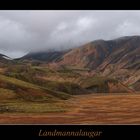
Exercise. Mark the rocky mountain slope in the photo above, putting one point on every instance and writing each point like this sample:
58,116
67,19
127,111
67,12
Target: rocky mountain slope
118,58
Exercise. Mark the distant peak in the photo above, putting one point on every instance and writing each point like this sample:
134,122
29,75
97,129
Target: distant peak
127,37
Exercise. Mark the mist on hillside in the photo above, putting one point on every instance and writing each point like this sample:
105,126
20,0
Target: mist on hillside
27,31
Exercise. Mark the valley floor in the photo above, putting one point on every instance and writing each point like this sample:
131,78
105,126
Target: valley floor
85,109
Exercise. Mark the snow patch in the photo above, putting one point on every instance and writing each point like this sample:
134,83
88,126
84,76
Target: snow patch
8,58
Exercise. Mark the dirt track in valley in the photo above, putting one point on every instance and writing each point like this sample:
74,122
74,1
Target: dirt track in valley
86,109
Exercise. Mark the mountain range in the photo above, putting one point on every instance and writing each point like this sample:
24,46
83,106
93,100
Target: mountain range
123,52
100,66
118,58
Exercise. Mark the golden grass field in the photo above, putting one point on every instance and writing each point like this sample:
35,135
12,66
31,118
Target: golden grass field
83,109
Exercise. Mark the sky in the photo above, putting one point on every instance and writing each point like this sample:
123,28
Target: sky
27,31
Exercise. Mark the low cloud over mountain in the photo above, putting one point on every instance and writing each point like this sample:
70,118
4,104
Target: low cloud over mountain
30,31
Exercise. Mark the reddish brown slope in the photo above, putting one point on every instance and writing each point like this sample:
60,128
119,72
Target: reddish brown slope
90,55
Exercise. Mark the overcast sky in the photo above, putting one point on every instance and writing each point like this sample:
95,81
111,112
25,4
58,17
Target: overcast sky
27,31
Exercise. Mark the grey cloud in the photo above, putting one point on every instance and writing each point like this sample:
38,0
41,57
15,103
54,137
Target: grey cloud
26,31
